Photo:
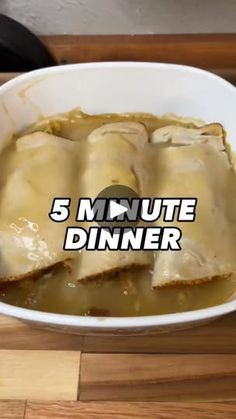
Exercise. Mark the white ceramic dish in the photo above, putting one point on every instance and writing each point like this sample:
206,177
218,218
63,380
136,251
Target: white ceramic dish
117,87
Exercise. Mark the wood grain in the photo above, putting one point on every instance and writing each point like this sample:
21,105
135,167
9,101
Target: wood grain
216,337
43,375
18,335
126,410
12,409
210,51
216,50
158,377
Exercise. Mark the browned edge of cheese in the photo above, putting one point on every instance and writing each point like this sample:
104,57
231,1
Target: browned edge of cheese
193,282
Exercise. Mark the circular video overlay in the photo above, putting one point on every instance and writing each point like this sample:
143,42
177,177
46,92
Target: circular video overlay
121,205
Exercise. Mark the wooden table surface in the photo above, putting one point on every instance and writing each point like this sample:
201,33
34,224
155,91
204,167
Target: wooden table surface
53,375
186,373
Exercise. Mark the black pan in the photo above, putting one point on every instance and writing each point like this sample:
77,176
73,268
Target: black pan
20,49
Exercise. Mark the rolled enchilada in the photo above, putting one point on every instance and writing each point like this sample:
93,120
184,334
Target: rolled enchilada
115,157
196,164
41,168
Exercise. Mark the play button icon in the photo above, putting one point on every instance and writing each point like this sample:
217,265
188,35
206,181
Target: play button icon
116,209
123,207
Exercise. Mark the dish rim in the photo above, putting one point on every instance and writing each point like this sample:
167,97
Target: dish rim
89,322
